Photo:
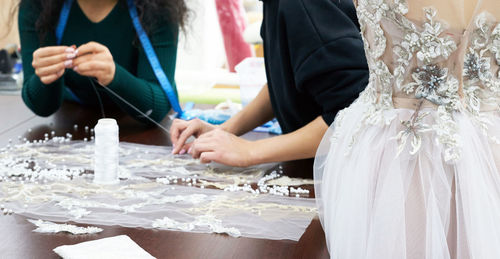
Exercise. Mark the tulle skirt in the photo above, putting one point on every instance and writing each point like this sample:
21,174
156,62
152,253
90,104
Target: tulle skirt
374,203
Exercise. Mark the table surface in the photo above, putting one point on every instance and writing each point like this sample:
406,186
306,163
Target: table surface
18,240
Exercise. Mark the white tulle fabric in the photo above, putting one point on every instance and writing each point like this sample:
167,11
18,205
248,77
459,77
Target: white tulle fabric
52,181
437,196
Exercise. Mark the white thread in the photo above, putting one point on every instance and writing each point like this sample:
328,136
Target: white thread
131,106
106,152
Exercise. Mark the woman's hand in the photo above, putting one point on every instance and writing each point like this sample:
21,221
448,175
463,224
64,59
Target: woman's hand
181,130
225,148
95,60
50,62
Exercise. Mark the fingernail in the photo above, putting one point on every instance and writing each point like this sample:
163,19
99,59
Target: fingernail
72,55
75,69
189,150
70,50
182,152
76,52
68,63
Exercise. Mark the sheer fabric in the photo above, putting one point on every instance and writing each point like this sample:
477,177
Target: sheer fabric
411,169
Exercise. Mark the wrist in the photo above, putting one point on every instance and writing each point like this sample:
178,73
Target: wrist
255,153
226,126
111,75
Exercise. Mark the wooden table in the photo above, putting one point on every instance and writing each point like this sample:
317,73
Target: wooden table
18,240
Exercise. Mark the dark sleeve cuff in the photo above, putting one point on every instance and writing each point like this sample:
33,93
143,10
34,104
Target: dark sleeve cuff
43,100
121,76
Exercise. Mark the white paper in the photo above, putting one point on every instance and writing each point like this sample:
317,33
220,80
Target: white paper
119,247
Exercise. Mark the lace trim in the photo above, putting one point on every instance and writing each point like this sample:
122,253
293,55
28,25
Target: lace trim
210,221
50,227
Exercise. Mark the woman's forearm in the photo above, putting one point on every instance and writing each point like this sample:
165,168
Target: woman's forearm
300,144
256,113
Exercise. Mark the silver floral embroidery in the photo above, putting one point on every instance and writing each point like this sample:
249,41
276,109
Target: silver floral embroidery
430,82
481,86
401,6
426,47
431,44
371,19
414,127
446,130
495,44
477,67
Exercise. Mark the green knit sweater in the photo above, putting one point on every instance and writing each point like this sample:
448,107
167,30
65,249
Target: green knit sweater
134,79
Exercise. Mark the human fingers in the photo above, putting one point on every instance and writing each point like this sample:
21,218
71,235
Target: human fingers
51,78
175,130
93,65
208,157
53,69
52,60
199,147
91,47
52,51
190,130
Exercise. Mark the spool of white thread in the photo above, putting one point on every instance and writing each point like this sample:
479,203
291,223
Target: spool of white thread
106,152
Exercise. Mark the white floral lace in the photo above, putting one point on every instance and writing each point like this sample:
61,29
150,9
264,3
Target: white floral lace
210,221
50,227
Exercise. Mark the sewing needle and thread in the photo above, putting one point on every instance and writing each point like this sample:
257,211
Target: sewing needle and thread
127,103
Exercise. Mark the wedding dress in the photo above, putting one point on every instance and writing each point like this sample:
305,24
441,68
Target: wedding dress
412,168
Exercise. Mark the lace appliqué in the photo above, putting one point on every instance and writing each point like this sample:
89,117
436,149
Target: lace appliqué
430,82
484,49
50,227
210,221
413,128
481,86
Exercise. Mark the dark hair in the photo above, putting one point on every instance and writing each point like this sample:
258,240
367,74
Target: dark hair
151,12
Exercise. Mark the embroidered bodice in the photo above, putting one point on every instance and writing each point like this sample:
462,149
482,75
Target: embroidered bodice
429,58
431,54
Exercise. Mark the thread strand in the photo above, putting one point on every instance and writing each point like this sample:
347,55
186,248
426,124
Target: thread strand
130,105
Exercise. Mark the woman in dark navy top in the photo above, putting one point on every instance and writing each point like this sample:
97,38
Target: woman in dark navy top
315,66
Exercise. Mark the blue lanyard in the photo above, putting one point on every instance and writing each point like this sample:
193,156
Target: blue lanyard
146,45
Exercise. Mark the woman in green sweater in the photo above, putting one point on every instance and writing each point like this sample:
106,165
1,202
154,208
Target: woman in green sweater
99,42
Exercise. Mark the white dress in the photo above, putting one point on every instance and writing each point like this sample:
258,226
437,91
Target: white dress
412,168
